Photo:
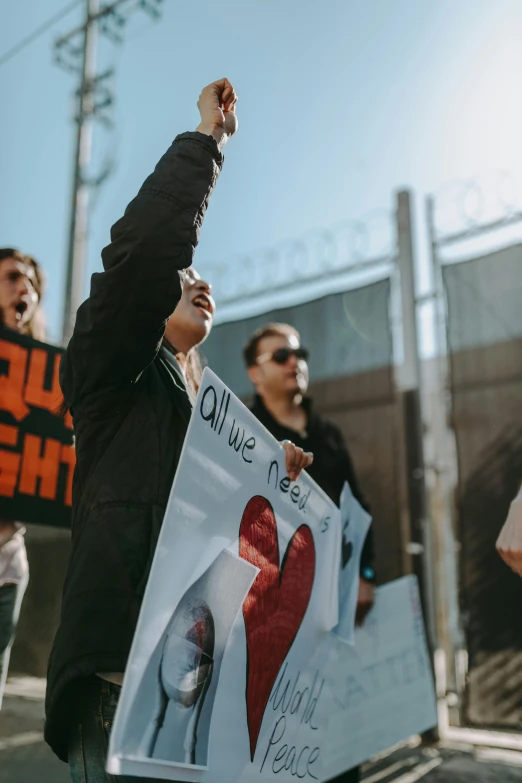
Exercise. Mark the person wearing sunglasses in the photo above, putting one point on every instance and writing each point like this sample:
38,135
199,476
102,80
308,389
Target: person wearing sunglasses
277,366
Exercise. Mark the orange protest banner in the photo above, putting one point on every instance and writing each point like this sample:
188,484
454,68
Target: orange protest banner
37,456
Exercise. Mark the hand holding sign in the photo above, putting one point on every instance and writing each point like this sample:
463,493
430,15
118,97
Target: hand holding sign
216,695
296,459
259,713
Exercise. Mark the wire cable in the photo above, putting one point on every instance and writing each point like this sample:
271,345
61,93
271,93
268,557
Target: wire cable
38,32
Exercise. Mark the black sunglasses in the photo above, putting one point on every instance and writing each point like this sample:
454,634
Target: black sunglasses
282,355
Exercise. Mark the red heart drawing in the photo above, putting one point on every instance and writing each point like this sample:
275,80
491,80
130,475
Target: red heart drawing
276,604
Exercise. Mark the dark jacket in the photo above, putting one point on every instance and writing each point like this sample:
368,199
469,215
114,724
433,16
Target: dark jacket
131,411
332,464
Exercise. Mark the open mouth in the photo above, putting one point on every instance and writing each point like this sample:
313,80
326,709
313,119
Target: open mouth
203,303
20,310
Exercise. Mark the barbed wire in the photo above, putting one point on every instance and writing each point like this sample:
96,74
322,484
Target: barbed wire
463,206
343,247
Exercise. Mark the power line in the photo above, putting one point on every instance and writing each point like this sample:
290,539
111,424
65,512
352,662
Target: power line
38,32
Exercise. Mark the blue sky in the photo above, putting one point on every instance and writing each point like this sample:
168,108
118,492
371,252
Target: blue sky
340,103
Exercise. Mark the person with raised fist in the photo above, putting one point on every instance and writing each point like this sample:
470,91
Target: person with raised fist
129,378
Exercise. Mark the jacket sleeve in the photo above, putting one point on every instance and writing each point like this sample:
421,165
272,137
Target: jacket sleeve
119,328
368,552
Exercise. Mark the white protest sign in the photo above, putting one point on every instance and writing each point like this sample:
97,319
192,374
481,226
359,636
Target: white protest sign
380,691
355,522
205,694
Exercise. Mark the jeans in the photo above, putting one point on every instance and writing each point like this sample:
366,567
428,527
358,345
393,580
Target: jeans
10,603
90,730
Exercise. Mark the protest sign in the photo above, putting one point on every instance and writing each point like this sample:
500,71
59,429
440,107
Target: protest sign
355,522
231,499
234,673
380,691
37,456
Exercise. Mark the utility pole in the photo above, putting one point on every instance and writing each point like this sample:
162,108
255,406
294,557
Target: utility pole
76,52
410,386
77,245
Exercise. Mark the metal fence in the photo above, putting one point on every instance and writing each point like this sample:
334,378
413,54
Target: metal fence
480,355
351,365
350,291
361,341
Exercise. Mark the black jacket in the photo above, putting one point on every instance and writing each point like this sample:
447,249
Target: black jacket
332,464
131,411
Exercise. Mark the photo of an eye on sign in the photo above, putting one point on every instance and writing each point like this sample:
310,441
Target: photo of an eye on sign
173,707
237,663
242,592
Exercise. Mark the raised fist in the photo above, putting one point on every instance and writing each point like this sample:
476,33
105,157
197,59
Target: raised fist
217,106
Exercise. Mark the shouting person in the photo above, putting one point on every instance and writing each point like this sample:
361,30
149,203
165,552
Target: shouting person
277,366
129,376
21,288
